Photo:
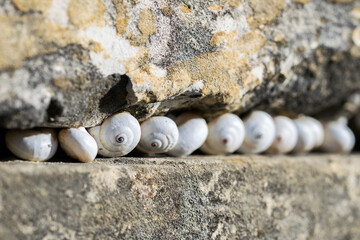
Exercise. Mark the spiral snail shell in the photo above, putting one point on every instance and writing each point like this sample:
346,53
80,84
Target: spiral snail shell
117,135
78,144
259,132
158,135
306,135
32,145
286,136
193,132
338,137
317,129
226,134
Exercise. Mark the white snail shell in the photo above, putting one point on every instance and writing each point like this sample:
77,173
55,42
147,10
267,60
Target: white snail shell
158,135
306,136
117,135
317,129
259,132
226,134
193,132
286,136
32,145
78,144
338,137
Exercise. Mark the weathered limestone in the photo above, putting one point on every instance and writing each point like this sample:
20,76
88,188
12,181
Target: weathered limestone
69,62
236,197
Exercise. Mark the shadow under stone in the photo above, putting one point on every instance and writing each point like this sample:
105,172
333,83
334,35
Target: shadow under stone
115,99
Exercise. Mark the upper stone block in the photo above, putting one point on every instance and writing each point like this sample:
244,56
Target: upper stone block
73,63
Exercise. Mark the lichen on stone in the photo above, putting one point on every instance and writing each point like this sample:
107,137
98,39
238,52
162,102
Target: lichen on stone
32,5
85,13
265,11
25,37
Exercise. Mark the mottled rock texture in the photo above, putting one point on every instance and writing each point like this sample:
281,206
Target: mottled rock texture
74,62
309,197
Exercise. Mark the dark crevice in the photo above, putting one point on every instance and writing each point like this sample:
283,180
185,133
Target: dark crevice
54,109
5,154
116,98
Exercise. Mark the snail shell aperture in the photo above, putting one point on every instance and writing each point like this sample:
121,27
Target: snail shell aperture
193,132
32,145
259,132
226,134
158,135
117,135
338,137
286,136
78,144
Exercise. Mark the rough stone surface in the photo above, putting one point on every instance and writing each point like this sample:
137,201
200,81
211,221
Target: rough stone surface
74,62
236,197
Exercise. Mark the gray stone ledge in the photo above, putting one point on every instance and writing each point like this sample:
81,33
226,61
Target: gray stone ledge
199,197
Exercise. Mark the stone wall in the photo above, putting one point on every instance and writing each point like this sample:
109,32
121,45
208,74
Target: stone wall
74,62
237,197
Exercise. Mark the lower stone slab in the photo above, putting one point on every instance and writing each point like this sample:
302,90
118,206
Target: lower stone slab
199,197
